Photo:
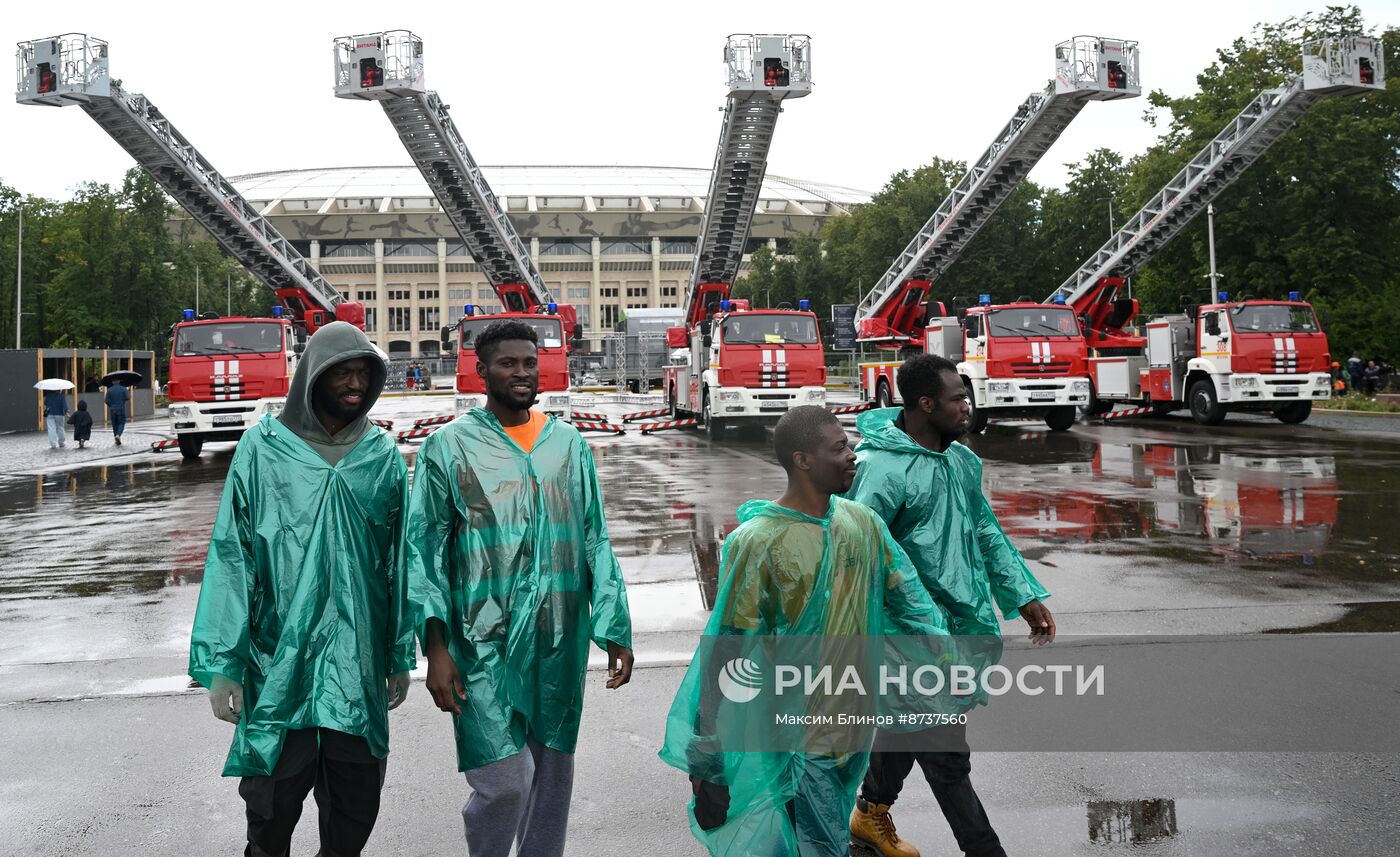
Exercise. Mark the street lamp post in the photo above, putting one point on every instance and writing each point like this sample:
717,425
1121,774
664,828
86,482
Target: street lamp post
19,277
1213,276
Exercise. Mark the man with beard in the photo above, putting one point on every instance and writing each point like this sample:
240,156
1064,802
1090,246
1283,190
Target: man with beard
928,488
303,633
512,575
807,566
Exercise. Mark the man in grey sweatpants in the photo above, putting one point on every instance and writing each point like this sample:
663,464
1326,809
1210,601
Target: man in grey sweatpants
512,575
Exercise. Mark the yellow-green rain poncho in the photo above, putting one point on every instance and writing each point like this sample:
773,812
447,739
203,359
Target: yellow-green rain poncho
510,551
785,574
934,506
304,600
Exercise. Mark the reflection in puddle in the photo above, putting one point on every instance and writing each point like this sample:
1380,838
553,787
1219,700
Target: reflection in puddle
1131,822
1242,503
113,529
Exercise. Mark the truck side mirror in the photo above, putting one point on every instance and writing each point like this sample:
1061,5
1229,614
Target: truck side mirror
446,337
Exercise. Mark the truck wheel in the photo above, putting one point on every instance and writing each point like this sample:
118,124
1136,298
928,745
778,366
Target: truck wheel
1293,412
978,424
1205,407
1061,418
883,399
714,429
190,446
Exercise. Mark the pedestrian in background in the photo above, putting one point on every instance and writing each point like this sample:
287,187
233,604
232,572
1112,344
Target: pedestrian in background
117,398
1356,367
55,411
81,421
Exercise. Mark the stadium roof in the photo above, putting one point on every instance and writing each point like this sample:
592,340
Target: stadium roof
534,188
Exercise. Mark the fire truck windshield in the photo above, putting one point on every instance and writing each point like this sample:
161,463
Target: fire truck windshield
547,329
1032,321
747,328
1274,318
240,337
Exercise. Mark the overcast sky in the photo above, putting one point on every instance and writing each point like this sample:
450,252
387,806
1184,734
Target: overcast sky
544,82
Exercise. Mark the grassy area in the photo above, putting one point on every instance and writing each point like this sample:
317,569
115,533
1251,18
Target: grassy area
1358,403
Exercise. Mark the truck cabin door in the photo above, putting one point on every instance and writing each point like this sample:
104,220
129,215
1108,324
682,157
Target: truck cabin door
1213,333
974,336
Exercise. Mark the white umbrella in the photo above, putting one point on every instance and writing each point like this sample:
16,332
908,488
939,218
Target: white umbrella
54,384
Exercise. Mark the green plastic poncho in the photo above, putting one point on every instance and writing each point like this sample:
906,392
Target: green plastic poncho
934,506
783,573
304,600
510,551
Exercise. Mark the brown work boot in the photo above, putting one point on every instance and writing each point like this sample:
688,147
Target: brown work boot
873,827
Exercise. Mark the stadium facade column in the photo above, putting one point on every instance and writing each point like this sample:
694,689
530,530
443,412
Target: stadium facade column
413,290
442,289
381,298
655,299
595,289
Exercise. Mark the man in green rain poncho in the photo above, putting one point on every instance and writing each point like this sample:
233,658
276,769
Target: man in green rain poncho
928,488
808,566
303,634
512,575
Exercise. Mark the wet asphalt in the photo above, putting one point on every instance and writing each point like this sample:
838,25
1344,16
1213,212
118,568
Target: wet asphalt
1153,526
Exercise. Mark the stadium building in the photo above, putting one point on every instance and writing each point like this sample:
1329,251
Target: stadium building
605,239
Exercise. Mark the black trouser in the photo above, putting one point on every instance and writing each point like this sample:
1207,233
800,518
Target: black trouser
949,775
346,778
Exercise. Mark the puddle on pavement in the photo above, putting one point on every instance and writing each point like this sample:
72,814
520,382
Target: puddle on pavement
1322,509
1372,617
1131,822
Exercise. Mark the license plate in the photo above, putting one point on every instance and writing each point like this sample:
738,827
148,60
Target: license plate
228,420
1286,391
1042,397
763,408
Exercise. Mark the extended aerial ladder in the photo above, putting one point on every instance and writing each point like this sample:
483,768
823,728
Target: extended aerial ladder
764,71
72,69
1087,68
1245,355
1334,66
388,67
740,366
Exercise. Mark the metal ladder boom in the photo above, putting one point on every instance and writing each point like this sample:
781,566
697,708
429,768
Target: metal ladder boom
741,160
141,129
1037,123
438,150
1347,65
764,70
1248,136
73,69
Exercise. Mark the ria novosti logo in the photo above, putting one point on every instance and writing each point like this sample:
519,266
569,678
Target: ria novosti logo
740,680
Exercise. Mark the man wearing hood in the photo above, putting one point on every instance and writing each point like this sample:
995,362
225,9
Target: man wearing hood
807,566
512,575
302,633
928,488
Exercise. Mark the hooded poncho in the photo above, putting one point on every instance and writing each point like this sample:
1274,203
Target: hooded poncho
510,551
935,508
304,600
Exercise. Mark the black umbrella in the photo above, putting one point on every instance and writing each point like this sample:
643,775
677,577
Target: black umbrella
126,376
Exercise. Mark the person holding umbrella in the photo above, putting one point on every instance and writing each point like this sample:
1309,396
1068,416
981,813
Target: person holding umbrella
55,409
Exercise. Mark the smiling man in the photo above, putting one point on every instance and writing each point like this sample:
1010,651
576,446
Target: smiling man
928,488
807,565
303,633
512,575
